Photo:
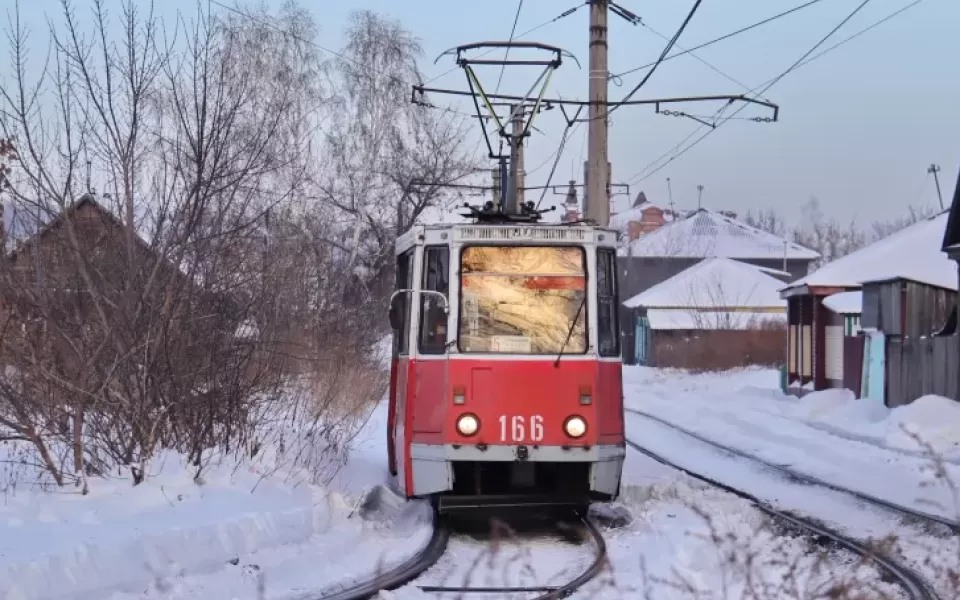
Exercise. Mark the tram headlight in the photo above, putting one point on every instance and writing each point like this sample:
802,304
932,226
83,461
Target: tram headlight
468,425
575,427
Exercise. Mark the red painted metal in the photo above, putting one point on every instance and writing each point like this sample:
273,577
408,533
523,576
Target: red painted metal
496,391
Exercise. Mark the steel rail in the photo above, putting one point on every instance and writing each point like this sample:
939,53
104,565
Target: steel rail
548,592
416,565
403,573
914,585
804,478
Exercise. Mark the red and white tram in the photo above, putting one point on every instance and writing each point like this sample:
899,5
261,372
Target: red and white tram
506,374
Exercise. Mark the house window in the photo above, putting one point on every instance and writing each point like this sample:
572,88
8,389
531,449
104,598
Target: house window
607,326
852,323
433,318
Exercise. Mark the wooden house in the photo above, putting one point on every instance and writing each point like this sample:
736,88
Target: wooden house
720,313
951,246
684,242
905,286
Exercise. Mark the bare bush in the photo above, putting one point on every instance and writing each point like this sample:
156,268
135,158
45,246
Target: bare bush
174,308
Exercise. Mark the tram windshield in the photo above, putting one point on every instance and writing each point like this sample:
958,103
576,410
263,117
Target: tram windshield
523,300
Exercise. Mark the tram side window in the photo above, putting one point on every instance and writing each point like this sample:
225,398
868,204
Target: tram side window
404,282
433,319
608,329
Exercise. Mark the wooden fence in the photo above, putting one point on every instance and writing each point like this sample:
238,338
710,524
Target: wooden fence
920,366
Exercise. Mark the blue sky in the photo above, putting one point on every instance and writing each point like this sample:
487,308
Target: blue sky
858,126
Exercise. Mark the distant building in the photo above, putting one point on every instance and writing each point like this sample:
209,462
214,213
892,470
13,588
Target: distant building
687,240
641,218
720,313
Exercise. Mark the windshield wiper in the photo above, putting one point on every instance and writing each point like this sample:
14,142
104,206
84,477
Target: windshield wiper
573,326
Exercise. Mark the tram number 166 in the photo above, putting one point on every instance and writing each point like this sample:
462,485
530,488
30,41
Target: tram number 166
514,428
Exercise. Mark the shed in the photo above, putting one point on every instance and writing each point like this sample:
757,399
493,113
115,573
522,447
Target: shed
718,303
821,305
951,246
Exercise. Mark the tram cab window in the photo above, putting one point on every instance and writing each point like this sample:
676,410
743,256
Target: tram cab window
433,319
608,329
523,300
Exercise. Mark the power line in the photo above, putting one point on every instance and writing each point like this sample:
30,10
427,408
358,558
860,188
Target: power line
663,55
556,161
565,13
814,49
805,60
617,76
503,67
506,53
701,60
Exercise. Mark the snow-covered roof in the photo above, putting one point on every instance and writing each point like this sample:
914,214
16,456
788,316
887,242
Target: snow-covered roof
665,319
912,253
951,237
845,303
704,234
714,282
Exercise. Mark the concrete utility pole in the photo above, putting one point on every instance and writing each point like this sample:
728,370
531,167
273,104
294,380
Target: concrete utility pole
699,197
516,162
597,199
936,169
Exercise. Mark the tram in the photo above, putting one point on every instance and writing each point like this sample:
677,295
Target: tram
506,384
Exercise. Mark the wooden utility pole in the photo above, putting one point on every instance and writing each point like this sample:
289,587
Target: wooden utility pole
597,199
516,161
936,169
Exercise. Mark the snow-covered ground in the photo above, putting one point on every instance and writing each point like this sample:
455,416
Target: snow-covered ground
242,527
245,527
857,444
743,410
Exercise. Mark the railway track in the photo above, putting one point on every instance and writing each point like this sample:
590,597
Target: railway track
912,584
427,557
912,513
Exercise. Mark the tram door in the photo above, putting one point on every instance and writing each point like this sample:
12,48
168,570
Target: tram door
399,366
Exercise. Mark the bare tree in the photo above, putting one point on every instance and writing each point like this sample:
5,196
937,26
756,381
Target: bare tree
767,219
388,160
828,236
915,214
123,356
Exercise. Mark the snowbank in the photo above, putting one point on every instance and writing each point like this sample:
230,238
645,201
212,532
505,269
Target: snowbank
121,539
64,545
933,421
929,424
830,435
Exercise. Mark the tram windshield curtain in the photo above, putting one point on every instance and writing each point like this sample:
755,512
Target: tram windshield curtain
523,300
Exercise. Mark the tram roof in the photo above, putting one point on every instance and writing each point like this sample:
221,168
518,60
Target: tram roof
549,233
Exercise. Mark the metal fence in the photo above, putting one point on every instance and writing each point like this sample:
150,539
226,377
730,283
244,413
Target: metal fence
920,366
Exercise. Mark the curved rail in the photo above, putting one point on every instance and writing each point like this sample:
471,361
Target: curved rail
809,479
912,584
546,592
403,573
